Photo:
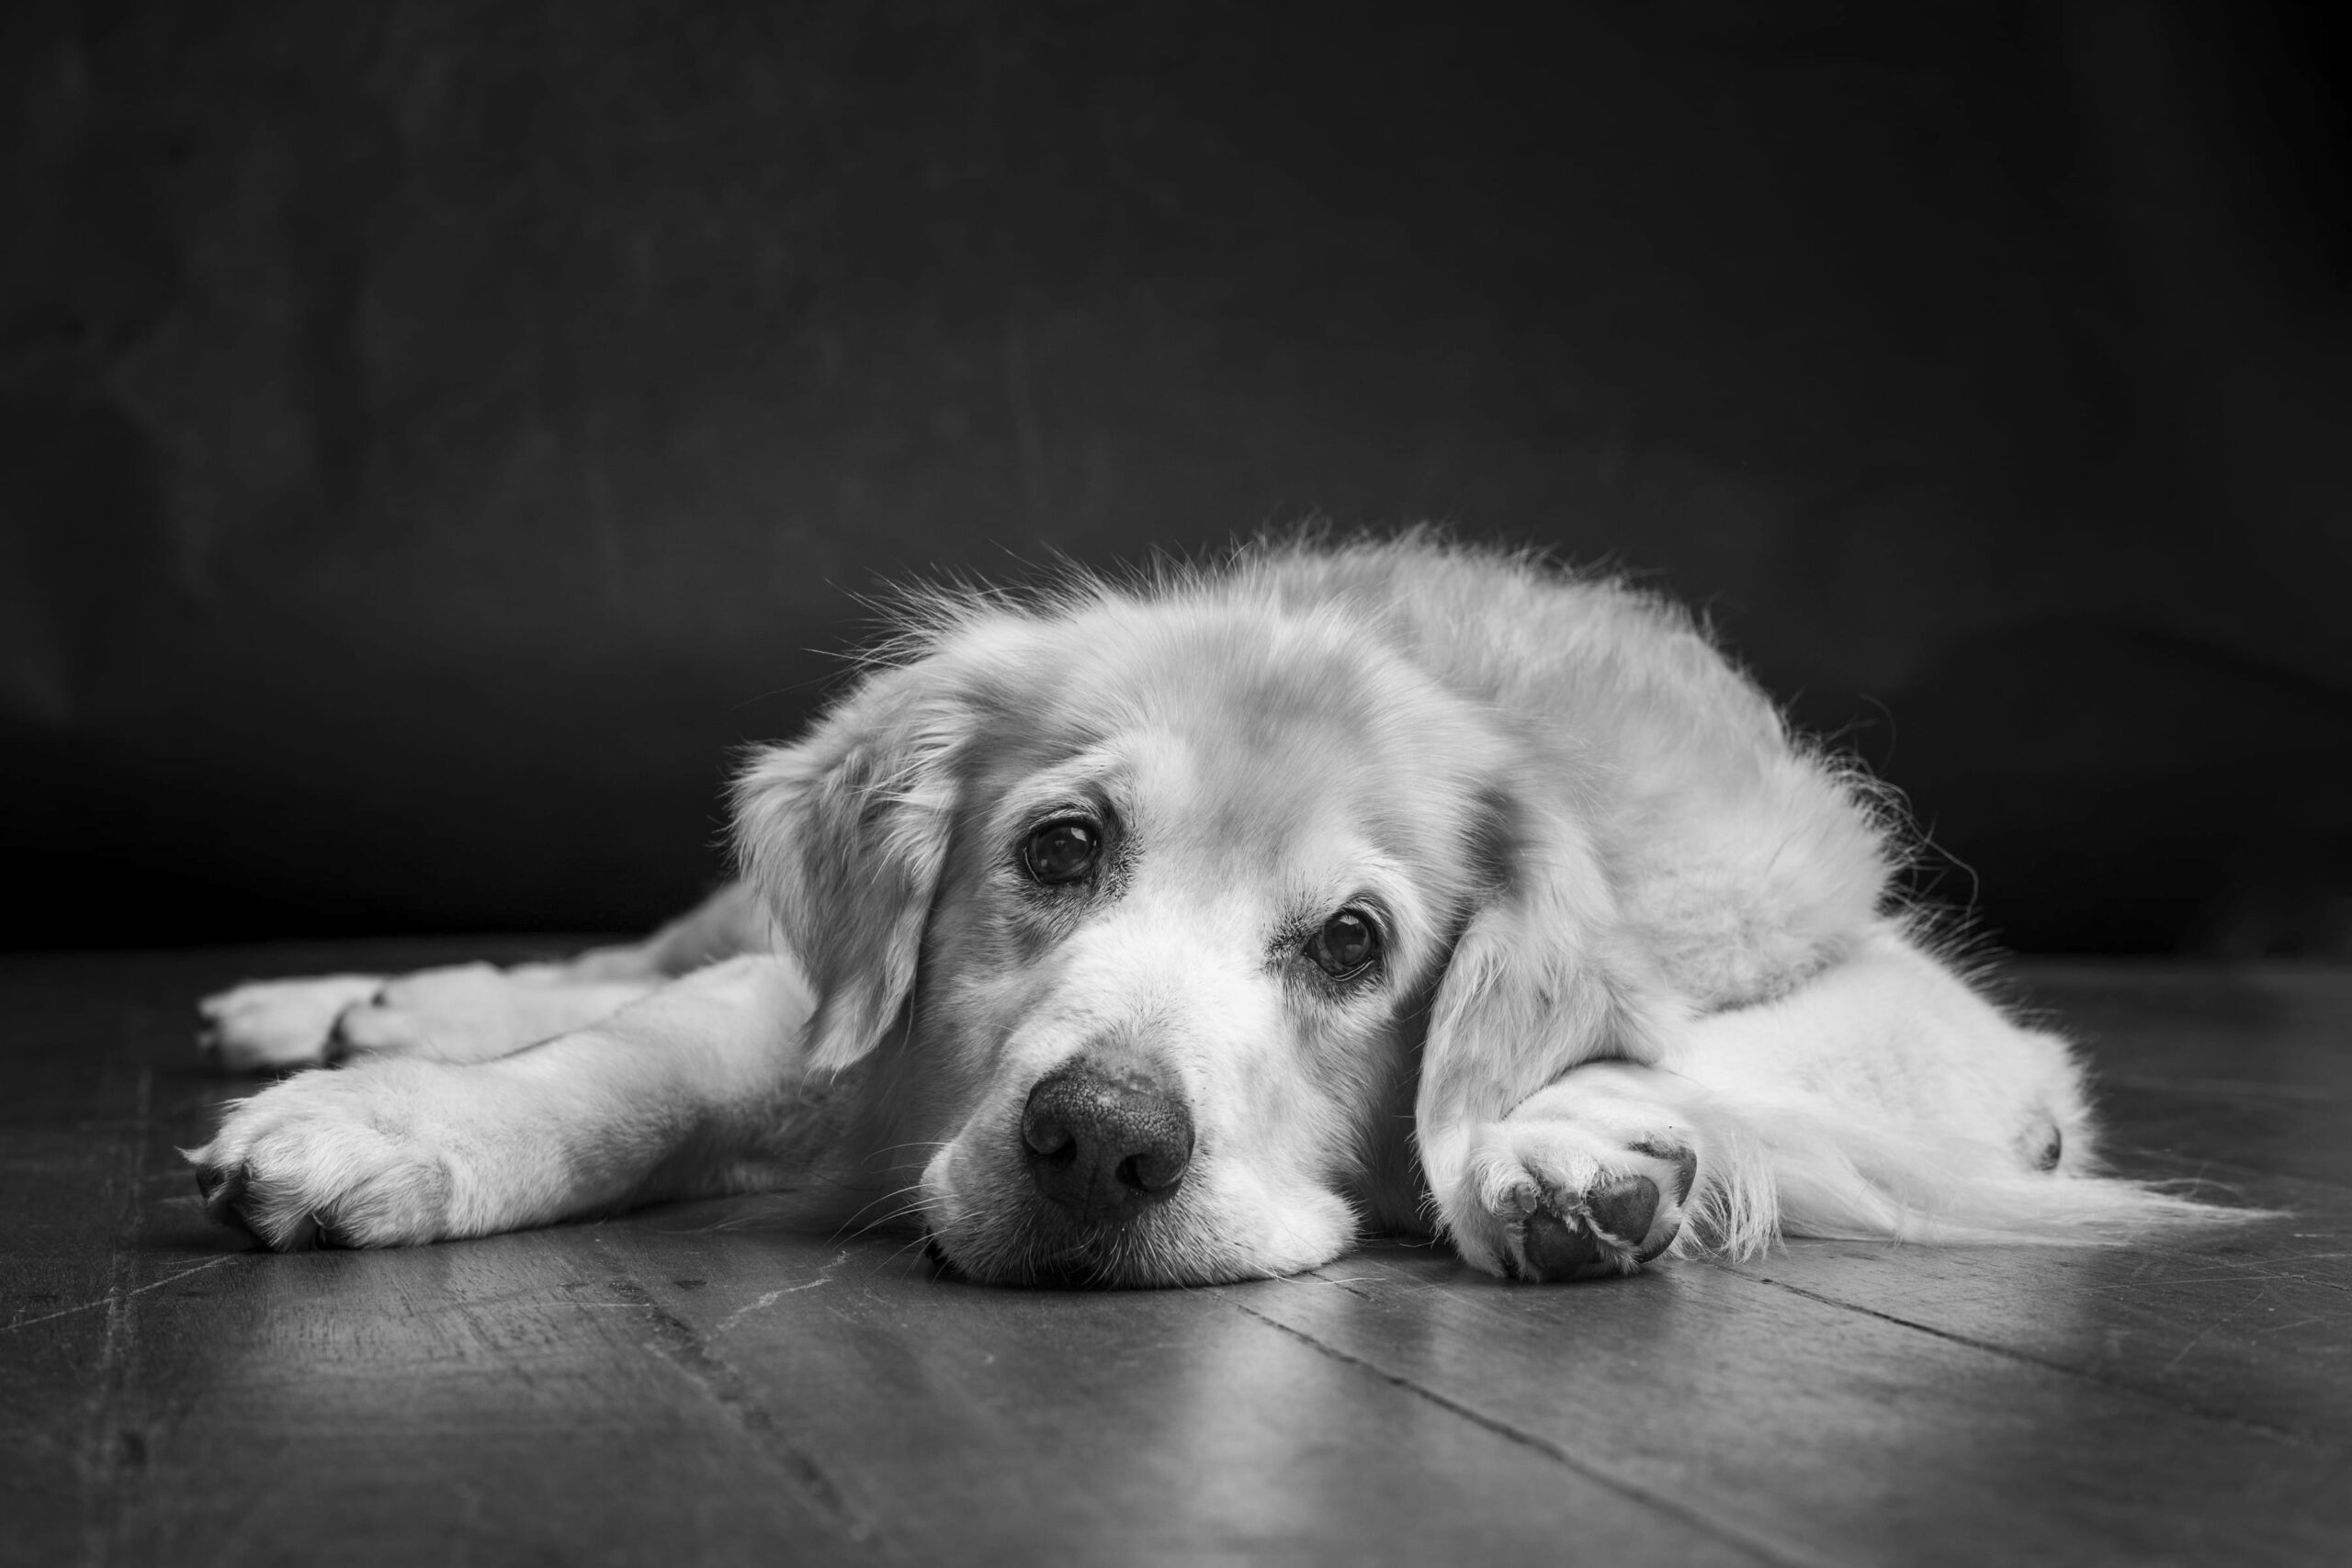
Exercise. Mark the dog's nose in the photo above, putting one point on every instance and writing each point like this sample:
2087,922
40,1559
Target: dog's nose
1106,1139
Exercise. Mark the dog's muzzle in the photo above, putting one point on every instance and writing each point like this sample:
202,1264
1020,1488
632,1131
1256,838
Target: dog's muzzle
1106,1138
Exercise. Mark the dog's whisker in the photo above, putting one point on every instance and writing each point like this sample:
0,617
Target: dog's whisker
898,1252
851,1229
930,1144
906,1212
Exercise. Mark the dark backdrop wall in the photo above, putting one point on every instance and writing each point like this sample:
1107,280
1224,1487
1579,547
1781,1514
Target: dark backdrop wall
435,433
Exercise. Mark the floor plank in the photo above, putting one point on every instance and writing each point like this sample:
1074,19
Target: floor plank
2255,1324
447,1403
1107,1428
2255,1329
694,1383
481,1406
1829,1434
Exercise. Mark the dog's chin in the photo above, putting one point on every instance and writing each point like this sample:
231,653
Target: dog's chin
1033,1244
1043,1250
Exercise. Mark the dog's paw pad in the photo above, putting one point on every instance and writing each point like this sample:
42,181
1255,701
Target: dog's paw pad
1589,1235
1624,1208
1553,1198
1553,1248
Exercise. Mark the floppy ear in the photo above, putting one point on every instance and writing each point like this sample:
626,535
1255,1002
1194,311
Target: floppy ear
842,835
1542,979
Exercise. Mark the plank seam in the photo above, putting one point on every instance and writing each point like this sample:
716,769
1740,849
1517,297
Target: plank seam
677,1343
2262,1428
1564,1458
101,1462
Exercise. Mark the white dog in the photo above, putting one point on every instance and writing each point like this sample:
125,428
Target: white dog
1180,931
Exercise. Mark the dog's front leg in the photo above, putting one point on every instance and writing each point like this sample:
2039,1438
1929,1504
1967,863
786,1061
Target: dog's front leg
687,1091
467,1012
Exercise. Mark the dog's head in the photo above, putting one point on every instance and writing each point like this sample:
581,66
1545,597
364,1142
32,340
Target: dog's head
1148,917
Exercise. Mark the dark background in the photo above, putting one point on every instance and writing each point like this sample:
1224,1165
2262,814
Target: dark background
433,435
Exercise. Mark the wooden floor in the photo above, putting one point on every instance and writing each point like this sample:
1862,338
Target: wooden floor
691,1384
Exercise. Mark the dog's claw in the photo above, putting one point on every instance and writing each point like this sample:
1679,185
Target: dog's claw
224,1193
224,1197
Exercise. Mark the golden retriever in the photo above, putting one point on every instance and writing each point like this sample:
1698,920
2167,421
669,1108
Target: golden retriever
1181,931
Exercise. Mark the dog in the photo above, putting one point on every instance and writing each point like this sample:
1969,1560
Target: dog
1183,930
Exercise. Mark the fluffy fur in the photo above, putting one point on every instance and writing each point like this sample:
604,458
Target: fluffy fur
1637,987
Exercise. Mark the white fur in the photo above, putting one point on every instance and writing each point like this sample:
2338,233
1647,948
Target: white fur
280,1023
1634,934
396,1150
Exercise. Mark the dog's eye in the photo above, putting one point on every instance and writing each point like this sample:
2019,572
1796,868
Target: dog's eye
1345,945
1061,851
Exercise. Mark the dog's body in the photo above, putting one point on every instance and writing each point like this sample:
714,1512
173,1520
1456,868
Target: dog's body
1177,934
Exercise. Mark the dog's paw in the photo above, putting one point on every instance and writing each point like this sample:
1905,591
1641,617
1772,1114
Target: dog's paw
1553,1201
456,1013
278,1023
474,1012
328,1159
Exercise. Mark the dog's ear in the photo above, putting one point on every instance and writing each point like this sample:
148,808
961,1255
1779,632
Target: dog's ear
842,834
1541,978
